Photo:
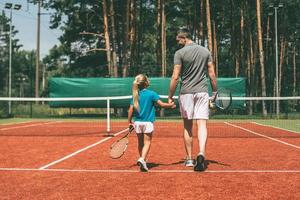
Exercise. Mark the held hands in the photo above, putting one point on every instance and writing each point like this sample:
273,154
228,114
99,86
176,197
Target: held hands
171,103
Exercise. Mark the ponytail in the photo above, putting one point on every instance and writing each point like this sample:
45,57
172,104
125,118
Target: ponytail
135,95
140,82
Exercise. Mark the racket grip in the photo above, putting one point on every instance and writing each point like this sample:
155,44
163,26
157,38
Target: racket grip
212,105
213,96
130,127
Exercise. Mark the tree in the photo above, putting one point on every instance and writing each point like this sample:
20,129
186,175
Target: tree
4,53
114,35
107,40
239,35
261,56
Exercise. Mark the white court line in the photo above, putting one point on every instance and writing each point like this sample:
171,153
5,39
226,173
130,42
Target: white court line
80,150
255,133
31,125
151,171
275,127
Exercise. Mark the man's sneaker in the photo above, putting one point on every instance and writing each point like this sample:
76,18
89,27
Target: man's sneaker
189,163
199,166
143,165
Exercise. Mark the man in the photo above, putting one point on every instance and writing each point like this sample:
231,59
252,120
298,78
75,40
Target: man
192,63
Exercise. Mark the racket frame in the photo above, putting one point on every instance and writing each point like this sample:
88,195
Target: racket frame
130,129
214,100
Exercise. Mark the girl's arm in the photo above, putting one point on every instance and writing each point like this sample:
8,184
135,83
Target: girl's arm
130,113
165,105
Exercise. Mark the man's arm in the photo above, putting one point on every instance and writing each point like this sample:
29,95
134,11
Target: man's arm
212,76
174,82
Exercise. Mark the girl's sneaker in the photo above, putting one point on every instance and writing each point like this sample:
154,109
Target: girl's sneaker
189,163
143,165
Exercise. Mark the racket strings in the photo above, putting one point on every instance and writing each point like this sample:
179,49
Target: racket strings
223,99
119,147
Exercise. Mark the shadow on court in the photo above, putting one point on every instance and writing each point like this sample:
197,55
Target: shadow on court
153,165
206,163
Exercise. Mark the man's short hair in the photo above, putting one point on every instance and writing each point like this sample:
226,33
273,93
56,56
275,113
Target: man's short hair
184,33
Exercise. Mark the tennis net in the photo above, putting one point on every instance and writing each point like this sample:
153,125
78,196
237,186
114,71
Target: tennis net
97,116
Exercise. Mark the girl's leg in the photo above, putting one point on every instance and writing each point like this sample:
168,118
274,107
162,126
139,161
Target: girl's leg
140,143
146,145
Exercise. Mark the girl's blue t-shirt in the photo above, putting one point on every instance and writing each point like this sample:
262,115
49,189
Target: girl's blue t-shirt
147,100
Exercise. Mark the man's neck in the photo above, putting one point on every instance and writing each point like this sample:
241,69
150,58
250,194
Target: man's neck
188,42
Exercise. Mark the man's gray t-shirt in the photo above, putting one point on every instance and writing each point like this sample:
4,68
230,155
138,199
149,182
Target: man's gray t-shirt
193,59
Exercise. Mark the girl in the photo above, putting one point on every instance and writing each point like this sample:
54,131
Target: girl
143,103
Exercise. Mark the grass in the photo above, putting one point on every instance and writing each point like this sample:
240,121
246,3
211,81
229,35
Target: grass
289,124
293,125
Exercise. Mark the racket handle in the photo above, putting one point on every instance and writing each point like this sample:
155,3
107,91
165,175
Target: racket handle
212,105
213,96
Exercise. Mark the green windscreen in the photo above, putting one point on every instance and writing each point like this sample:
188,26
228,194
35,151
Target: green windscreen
114,87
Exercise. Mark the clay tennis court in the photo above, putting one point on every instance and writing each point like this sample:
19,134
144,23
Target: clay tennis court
69,160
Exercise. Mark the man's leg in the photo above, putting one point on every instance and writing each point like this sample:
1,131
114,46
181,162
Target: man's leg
188,136
202,135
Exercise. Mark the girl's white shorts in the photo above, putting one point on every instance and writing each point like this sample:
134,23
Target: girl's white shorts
143,127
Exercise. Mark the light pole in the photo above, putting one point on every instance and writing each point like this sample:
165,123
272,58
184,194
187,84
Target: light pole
10,6
37,59
276,7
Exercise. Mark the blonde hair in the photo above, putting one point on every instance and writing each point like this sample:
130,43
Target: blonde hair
141,81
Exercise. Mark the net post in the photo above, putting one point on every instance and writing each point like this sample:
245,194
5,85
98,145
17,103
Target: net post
108,117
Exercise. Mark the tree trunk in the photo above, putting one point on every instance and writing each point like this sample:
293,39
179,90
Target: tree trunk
255,73
248,75
294,71
261,56
106,35
294,75
242,39
140,37
268,37
158,39
209,32
114,45
215,49
270,70
201,27
163,39
283,44
125,40
132,34
233,42
251,72
195,20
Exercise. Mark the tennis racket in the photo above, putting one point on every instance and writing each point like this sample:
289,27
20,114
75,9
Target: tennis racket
222,100
118,148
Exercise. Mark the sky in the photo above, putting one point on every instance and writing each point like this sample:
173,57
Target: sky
25,21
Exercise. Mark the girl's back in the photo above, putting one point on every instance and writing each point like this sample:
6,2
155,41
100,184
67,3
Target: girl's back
147,99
